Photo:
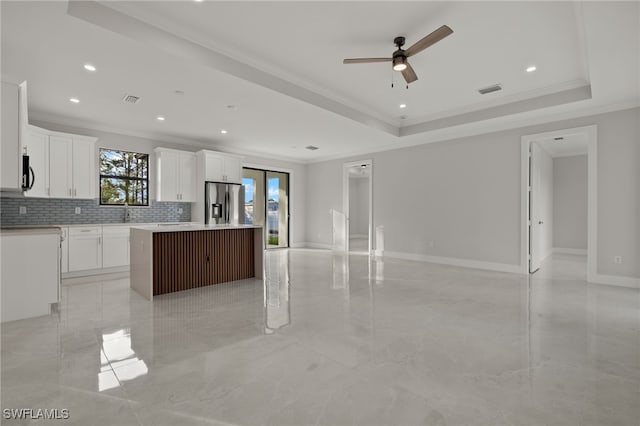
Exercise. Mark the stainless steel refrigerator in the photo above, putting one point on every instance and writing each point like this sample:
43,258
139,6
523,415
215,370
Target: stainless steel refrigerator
224,203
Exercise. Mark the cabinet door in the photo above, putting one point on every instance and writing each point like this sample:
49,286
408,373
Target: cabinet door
167,176
115,246
85,251
60,172
233,170
10,175
83,169
214,168
187,177
38,150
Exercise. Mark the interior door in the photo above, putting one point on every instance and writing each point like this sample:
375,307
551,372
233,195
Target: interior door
535,221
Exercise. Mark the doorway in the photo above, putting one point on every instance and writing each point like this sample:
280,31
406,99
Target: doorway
358,206
559,203
267,204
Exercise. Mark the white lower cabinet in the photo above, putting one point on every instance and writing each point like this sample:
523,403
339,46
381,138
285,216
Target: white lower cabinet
85,248
115,246
64,251
29,273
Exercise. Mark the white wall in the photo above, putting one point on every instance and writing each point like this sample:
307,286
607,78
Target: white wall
358,206
143,145
570,202
461,198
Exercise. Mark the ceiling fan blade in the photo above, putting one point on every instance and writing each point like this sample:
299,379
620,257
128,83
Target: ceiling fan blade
365,60
409,74
429,40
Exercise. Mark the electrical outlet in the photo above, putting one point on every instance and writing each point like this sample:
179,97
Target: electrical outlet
179,210
78,210
23,210
617,260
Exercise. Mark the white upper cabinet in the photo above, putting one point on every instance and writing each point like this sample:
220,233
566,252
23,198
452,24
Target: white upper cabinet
64,165
220,167
14,119
175,175
84,168
60,165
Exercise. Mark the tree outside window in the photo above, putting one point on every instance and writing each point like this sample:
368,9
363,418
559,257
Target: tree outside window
124,178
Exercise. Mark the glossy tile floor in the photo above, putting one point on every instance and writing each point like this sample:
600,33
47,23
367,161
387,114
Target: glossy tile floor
337,340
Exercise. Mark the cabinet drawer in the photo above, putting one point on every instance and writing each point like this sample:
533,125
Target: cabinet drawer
115,230
85,232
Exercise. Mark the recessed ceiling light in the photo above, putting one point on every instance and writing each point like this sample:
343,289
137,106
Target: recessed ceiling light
532,68
160,118
224,132
74,100
403,105
232,107
89,67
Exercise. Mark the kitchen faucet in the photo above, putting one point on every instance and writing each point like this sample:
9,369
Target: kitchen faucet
127,213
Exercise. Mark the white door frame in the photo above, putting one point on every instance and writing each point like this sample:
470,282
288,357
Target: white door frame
592,207
345,199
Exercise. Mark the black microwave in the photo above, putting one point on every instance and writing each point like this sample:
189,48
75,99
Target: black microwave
28,175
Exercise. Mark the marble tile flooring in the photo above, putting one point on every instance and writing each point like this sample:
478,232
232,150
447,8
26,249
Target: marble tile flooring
336,340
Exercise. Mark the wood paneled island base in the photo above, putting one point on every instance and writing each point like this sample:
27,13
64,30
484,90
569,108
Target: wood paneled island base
169,259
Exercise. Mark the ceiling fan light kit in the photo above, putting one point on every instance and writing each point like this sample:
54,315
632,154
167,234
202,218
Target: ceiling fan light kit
399,58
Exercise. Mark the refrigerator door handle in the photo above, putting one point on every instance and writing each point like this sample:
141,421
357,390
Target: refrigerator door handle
226,205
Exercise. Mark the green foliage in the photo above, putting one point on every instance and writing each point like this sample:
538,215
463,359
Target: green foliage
273,241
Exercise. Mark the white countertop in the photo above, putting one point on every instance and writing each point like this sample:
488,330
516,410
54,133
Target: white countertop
192,227
31,230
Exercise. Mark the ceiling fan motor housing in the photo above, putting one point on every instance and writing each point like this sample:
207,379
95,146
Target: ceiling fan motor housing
399,41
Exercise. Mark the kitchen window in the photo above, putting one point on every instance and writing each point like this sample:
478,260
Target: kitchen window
124,178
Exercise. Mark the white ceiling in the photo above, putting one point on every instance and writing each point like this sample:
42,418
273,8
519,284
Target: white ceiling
280,63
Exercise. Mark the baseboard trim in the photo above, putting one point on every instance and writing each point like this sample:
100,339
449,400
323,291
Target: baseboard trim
92,272
358,236
465,263
323,246
561,250
615,280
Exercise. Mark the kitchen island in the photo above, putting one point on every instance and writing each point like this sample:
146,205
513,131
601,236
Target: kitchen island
167,259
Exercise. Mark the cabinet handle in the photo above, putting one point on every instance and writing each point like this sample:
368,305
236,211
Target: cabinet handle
75,192
48,191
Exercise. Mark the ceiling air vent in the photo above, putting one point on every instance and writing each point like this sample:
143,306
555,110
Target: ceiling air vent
311,147
490,89
131,99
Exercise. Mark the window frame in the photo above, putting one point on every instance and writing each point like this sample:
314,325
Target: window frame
144,181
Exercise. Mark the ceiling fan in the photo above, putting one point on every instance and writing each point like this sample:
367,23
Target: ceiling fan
400,56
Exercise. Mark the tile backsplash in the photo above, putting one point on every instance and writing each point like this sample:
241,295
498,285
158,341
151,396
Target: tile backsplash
49,211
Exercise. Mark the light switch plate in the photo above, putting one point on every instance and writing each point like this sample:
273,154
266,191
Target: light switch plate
78,210
23,210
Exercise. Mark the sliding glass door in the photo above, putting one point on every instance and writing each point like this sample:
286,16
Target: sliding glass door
267,204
